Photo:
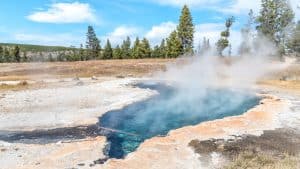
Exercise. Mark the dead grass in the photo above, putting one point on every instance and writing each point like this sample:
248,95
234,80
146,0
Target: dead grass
250,160
26,71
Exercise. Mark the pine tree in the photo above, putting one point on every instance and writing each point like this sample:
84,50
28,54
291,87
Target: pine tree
223,42
1,54
117,54
136,50
245,47
81,53
108,52
294,42
7,57
275,16
155,52
145,49
174,46
16,53
204,47
125,48
25,58
186,30
92,44
162,49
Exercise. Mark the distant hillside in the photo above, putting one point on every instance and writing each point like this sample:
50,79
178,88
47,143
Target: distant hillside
37,48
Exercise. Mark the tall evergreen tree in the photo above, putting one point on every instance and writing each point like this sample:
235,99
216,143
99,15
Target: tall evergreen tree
155,53
162,49
275,16
108,52
117,53
204,47
223,42
174,46
1,54
16,52
294,42
136,49
92,44
186,30
125,48
247,35
7,57
25,58
81,53
145,48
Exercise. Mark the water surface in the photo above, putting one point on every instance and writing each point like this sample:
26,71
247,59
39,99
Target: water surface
170,109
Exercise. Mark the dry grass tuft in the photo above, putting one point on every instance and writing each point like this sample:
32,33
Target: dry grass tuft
263,161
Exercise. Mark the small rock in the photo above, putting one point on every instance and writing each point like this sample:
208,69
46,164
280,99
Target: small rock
94,78
120,77
81,164
101,161
76,79
80,83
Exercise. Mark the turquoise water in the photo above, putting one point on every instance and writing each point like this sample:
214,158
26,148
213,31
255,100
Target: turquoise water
169,110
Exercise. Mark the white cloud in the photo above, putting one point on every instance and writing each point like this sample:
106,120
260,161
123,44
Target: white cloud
158,32
242,6
64,39
192,3
75,12
120,33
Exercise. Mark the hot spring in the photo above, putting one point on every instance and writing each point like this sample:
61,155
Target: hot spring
166,111
128,127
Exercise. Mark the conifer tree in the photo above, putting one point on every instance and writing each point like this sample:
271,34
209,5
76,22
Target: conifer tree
294,42
125,48
108,52
1,54
81,53
186,30
223,42
117,53
7,57
245,47
16,53
155,52
162,49
136,50
275,16
92,44
25,58
145,49
174,46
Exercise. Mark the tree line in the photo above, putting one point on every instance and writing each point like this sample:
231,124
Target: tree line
274,22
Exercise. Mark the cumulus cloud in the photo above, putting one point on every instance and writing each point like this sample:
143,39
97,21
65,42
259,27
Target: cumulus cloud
64,39
120,33
158,32
75,12
180,3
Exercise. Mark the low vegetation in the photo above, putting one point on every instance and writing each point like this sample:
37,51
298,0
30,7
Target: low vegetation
251,160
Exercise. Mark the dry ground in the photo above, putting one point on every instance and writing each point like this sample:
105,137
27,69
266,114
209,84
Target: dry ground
27,71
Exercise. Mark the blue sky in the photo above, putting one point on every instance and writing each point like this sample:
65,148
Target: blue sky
64,22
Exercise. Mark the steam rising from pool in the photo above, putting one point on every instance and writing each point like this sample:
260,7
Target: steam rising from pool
169,110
